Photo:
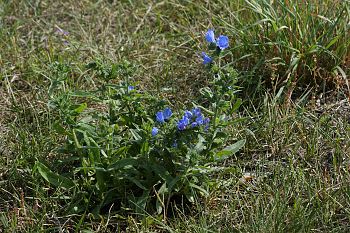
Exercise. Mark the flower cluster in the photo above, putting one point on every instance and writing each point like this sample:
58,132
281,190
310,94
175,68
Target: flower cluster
164,115
161,117
221,42
192,118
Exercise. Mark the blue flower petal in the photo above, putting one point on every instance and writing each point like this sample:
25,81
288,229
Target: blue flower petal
209,36
188,114
222,42
154,131
196,112
199,120
185,120
167,113
160,117
181,125
206,58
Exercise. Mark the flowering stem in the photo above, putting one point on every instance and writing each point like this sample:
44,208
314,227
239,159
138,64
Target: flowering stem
216,113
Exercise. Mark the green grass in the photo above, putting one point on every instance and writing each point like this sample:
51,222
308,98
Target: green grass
296,161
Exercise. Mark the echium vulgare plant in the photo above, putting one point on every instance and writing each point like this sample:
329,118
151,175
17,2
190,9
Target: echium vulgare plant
133,150
220,96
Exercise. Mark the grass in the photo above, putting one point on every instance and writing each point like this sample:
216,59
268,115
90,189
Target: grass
293,173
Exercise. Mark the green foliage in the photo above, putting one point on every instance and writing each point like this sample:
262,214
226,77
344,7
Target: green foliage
55,179
120,161
291,43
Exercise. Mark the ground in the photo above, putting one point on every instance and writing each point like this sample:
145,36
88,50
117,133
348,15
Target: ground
292,175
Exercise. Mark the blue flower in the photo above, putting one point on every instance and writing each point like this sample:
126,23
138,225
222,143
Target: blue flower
175,144
199,120
181,125
222,42
154,131
196,112
206,121
185,120
167,113
194,124
130,88
206,58
160,117
188,114
209,36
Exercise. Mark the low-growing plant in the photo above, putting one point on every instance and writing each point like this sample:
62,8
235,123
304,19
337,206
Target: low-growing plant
129,149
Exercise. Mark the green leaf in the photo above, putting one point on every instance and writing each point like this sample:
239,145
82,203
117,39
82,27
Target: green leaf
80,108
135,134
145,148
294,63
59,129
189,196
53,178
200,144
140,203
206,92
136,182
123,163
163,189
332,42
102,179
236,105
200,189
230,150
84,94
